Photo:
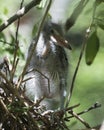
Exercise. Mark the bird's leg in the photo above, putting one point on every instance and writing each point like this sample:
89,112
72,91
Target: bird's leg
62,93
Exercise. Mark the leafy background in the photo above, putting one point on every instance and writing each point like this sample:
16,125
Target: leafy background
89,84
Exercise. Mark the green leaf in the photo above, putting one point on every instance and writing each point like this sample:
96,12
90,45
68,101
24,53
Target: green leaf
5,11
98,2
100,23
42,4
34,31
75,14
20,53
91,48
2,36
1,21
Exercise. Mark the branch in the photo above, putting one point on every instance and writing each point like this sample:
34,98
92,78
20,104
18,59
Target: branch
15,59
84,43
34,45
80,119
3,105
76,70
19,14
74,16
94,106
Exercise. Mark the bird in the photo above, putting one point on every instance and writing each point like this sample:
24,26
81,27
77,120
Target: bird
50,66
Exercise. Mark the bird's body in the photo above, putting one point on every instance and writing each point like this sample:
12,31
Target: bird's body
50,65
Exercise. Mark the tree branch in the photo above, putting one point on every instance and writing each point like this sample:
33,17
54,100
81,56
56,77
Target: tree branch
19,14
84,43
15,59
34,45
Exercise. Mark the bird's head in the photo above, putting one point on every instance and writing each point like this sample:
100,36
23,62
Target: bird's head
53,32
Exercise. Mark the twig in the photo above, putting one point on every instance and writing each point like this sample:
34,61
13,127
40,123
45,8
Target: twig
15,93
5,42
80,119
33,121
15,60
34,45
6,64
67,109
19,14
96,105
76,71
6,109
71,21
9,86
81,55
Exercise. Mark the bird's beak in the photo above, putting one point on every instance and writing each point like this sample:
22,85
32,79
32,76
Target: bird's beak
59,40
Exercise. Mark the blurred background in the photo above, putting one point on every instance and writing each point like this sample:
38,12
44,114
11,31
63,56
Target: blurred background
89,84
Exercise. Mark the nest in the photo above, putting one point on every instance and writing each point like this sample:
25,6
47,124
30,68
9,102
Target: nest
17,112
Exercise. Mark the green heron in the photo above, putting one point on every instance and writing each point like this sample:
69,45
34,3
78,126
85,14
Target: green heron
50,68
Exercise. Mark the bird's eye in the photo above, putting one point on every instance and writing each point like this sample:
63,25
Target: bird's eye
52,31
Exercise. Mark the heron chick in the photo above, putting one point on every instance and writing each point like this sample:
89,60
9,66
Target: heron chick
50,68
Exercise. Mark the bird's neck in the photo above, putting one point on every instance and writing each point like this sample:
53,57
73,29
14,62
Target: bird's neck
45,46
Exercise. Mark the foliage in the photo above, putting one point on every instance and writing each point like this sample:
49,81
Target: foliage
16,110
92,48
93,41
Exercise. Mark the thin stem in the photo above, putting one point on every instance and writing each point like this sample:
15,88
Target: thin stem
80,119
75,72
96,105
6,109
34,45
15,60
19,14
81,55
